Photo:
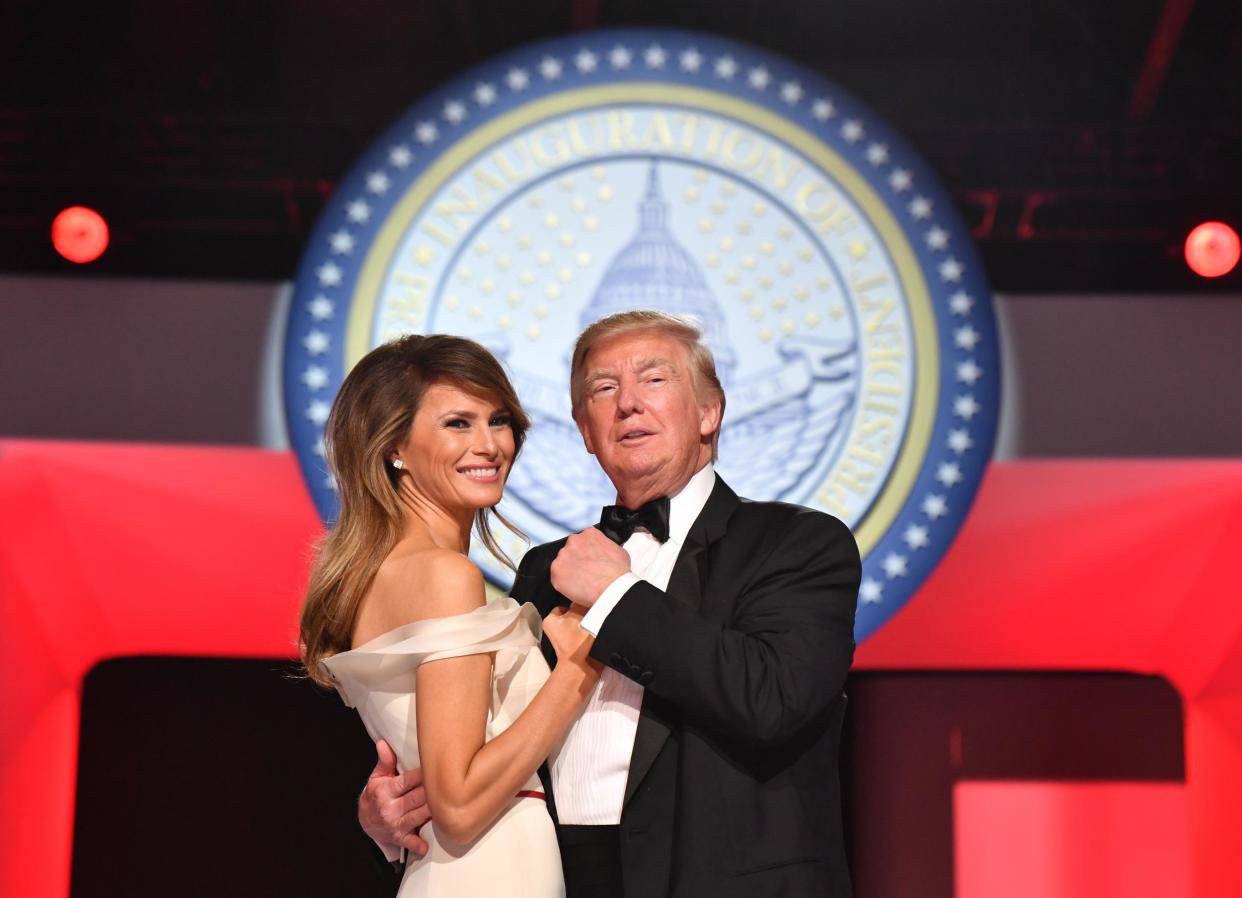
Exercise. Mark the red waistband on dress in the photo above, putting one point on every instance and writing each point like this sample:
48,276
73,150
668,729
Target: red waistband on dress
531,793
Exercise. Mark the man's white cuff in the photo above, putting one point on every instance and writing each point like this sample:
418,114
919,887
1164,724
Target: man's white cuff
594,619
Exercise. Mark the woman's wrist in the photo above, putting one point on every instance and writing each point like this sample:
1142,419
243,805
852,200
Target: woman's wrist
577,677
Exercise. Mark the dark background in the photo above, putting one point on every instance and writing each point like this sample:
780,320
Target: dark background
236,778
1081,138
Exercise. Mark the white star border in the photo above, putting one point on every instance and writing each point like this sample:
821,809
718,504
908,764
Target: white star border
912,532
457,109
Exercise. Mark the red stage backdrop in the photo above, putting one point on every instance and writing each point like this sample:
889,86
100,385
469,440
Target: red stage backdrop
115,550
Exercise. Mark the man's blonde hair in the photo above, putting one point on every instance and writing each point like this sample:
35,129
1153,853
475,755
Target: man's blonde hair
683,330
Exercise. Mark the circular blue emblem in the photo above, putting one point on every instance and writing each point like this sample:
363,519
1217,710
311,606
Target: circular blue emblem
848,313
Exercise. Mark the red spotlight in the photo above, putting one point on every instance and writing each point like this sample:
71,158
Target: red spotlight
80,234
1212,249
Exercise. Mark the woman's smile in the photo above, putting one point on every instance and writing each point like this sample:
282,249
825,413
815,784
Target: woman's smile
481,473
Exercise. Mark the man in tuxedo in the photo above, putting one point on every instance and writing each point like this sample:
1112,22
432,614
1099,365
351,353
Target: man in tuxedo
705,762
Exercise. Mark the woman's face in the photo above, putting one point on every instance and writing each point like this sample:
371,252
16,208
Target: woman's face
459,449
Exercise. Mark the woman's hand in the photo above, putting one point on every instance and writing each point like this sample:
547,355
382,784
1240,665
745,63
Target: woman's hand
572,643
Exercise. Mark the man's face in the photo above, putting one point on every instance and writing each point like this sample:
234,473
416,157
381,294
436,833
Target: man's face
640,415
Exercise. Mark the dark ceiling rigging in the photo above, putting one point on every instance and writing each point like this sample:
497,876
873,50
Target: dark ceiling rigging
1081,140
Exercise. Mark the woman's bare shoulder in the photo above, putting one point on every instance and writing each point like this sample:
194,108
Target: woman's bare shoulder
419,585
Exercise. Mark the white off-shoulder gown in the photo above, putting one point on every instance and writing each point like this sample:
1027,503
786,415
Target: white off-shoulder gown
517,856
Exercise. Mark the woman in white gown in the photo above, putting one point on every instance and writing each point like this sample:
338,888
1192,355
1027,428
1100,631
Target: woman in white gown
420,439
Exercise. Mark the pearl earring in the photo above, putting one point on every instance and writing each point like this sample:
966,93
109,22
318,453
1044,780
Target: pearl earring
398,463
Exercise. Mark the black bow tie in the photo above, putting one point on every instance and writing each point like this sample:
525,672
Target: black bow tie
618,522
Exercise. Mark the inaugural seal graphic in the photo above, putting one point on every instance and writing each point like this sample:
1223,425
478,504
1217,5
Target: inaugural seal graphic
847,311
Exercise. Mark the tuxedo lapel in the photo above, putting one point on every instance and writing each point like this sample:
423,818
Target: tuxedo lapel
685,584
555,600
533,584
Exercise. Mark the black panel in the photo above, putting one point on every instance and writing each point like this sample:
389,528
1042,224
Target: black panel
214,777
221,777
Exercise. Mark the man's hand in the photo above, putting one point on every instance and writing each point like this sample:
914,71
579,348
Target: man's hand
586,565
393,807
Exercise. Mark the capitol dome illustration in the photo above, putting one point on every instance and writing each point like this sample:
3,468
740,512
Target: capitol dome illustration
654,271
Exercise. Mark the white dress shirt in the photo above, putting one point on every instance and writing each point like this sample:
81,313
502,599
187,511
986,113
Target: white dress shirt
590,769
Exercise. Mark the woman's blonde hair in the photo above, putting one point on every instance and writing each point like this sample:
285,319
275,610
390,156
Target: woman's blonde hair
371,416
683,330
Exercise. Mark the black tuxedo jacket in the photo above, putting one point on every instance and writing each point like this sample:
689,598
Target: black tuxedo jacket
733,787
